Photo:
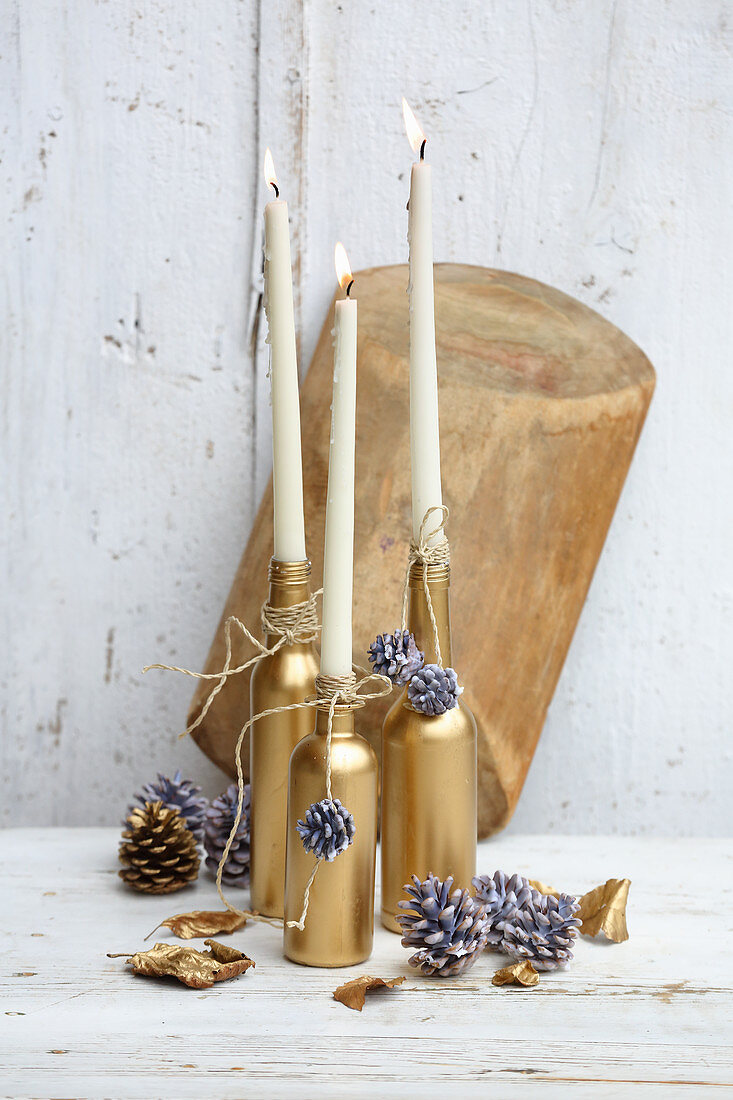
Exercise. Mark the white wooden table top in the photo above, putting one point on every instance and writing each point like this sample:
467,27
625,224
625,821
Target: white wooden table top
651,1015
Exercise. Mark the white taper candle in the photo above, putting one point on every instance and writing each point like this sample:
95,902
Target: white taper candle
424,430
287,468
338,553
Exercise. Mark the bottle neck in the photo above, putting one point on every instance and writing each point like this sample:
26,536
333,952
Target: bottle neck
343,721
418,617
289,585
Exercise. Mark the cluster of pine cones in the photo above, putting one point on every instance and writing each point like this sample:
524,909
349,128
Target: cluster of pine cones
165,824
430,688
450,929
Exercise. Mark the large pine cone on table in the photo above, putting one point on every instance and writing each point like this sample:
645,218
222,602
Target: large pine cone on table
158,850
447,926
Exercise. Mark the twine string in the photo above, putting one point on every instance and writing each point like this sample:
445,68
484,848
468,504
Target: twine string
290,625
331,690
428,551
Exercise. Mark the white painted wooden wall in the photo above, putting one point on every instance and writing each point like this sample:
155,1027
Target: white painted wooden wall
587,145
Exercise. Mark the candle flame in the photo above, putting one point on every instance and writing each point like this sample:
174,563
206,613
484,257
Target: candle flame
269,167
414,132
343,267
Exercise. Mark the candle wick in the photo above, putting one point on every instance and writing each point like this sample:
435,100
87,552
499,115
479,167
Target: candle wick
348,289
275,188
422,148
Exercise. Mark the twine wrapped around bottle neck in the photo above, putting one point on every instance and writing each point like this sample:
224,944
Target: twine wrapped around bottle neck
426,552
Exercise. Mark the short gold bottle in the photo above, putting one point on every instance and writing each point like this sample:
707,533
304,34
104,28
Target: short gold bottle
286,677
339,926
428,769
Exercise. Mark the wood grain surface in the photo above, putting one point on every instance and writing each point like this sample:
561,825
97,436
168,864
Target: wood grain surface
541,405
652,1016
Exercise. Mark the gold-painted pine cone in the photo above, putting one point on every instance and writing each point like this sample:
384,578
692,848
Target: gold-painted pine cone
158,852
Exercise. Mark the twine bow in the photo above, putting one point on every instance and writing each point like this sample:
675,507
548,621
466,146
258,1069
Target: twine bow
426,552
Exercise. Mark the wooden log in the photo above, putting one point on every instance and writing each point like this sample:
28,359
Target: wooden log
541,404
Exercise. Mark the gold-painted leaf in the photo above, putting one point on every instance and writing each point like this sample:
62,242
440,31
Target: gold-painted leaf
197,969
604,910
520,973
204,922
353,994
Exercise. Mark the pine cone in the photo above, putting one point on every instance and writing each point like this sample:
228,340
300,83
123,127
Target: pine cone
502,896
177,794
434,690
396,656
219,821
543,931
448,928
158,850
328,829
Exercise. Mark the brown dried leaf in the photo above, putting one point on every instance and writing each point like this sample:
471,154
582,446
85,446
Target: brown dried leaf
604,910
353,994
204,922
197,969
520,973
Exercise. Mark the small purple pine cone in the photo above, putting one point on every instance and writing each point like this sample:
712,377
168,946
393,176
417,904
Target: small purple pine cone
447,926
502,897
219,822
176,794
543,931
434,690
396,656
327,829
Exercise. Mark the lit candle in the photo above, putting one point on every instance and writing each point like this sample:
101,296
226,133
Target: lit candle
424,433
287,469
338,553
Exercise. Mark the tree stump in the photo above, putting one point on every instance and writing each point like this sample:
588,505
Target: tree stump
541,404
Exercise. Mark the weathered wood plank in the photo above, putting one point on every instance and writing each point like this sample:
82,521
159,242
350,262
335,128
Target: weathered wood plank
589,153
654,1013
541,404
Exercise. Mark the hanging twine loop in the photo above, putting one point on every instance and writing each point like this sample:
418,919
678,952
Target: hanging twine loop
427,551
291,625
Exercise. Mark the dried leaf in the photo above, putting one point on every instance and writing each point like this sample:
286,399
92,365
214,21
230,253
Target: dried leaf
520,973
353,994
604,910
204,922
197,969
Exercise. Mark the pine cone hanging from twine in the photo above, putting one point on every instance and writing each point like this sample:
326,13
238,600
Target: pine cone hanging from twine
434,690
327,829
177,794
502,897
219,821
543,931
158,850
447,926
396,656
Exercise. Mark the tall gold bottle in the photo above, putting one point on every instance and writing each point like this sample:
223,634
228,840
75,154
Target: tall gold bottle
286,677
428,769
339,927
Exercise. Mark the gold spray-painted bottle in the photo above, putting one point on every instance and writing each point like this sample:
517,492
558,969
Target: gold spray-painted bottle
339,928
285,677
428,768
